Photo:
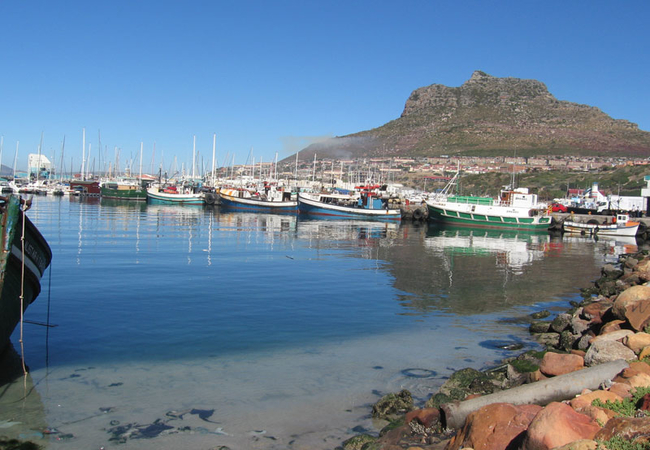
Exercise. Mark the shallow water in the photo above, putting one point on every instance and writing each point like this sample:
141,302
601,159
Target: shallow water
278,332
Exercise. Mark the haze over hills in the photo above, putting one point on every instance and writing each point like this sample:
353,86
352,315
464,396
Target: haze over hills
490,116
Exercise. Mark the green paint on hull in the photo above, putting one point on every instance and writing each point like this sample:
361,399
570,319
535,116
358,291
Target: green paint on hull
124,194
482,221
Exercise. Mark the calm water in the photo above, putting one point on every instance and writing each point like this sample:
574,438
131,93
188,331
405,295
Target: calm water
281,330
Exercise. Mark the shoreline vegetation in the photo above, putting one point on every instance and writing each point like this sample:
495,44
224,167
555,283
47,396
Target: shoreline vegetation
587,388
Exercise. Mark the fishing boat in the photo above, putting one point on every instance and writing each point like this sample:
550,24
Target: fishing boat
123,190
266,200
24,256
620,225
514,209
173,195
357,205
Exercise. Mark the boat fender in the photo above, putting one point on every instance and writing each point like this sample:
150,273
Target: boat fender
532,212
209,198
417,214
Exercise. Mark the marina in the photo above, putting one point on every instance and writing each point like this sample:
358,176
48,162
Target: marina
277,330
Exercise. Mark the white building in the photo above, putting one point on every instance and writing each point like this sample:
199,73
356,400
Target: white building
38,163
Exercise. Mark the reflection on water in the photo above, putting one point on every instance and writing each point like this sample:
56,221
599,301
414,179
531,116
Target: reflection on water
20,402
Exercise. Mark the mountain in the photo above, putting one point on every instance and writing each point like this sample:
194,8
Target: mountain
491,116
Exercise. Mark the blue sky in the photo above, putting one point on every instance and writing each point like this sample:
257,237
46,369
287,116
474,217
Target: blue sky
271,76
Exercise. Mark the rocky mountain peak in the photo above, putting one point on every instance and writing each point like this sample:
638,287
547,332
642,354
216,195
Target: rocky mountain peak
488,115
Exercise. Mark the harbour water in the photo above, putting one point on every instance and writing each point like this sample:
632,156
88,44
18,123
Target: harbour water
190,327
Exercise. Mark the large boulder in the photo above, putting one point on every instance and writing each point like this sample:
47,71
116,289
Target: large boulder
643,270
631,429
604,351
581,402
594,312
633,305
636,342
554,364
393,404
582,444
494,427
556,425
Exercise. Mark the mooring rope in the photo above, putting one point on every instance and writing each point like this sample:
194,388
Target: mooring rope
22,294
47,328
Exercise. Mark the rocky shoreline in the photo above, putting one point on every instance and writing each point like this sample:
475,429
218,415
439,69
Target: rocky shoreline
588,388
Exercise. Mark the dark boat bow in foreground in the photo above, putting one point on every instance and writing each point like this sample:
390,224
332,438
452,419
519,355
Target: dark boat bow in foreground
24,256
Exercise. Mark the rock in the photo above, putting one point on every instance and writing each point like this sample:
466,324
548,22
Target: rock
600,415
581,402
425,417
582,444
556,425
467,381
630,262
612,336
540,314
613,325
636,342
640,380
568,339
621,389
583,342
561,322
539,327
392,404
578,325
554,364
494,427
640,367
536,376
358,442
548,339
594,312
633,305
645,352
610,270
643,270
605,351
631,429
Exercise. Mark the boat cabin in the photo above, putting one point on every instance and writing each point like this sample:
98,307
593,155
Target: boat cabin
519,198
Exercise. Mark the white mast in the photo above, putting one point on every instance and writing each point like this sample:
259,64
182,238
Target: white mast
214,148
141,145
2,141
88,165
276,166
62,149
83,155
16,159
313,170
193,156
38,169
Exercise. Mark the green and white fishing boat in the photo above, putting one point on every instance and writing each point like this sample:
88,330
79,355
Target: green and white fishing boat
124,189
24,256
514,209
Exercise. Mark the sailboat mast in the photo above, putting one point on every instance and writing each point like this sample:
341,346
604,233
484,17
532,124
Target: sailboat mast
141,147
193,156
83,155
214,149
16,158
